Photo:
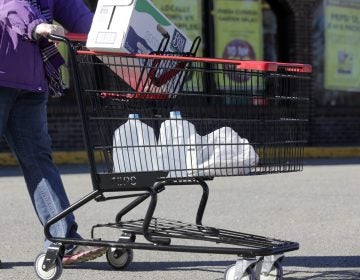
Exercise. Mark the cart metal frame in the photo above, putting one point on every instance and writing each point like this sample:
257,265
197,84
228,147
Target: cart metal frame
257,255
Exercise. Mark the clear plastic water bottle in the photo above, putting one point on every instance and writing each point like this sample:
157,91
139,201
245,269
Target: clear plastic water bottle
177,146
134,147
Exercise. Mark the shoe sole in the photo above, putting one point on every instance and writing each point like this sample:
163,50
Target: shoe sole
86,256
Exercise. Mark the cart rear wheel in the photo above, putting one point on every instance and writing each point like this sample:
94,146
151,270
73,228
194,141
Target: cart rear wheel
119,258
53,273
276,272
229,274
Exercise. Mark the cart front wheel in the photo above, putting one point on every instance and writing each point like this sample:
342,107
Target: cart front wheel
53,273
276,273
119,258
229,274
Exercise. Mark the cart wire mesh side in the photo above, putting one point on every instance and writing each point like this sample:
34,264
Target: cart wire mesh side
190,117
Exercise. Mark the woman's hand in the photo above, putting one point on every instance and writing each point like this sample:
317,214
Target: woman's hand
45,29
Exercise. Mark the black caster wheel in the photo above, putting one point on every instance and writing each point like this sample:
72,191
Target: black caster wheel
276,272
53,273
229,274
119,258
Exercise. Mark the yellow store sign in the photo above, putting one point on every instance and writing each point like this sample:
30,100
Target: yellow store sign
342,44
238,29
238,35
185,14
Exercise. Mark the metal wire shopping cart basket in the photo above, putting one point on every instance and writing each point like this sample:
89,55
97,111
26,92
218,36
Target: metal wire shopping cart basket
173,119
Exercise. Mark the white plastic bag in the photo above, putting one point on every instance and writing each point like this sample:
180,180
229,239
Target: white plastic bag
224,153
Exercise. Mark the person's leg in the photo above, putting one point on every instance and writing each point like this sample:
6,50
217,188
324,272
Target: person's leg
28,137
7,98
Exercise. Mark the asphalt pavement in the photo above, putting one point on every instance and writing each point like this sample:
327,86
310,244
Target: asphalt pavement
318,207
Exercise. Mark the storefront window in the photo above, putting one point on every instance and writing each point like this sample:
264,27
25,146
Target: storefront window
270,33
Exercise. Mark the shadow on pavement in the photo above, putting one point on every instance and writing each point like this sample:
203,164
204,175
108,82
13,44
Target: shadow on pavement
323,268
314,267
214,266
324,261
321,275
9,265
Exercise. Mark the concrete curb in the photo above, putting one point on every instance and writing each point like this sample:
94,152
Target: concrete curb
80,157
331,152
76,157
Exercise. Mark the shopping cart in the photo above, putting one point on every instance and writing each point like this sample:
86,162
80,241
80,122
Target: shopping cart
156,120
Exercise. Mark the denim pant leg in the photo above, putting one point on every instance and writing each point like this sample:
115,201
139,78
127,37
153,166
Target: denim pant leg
27,134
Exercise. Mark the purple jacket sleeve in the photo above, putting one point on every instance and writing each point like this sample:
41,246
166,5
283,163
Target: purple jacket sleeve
19,17
74,15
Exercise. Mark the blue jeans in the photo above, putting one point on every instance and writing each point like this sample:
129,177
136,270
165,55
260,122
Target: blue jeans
23,122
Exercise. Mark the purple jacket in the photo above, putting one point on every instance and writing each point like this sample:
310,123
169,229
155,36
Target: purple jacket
21,65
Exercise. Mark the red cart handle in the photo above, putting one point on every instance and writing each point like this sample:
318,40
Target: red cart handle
273,66
77,37
295,67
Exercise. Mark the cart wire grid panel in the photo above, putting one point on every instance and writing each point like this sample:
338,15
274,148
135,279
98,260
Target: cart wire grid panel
178,117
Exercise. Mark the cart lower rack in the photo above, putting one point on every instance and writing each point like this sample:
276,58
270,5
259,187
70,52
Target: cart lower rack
248,244
167,119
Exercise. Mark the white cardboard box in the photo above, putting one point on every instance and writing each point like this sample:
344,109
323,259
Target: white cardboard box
133,26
